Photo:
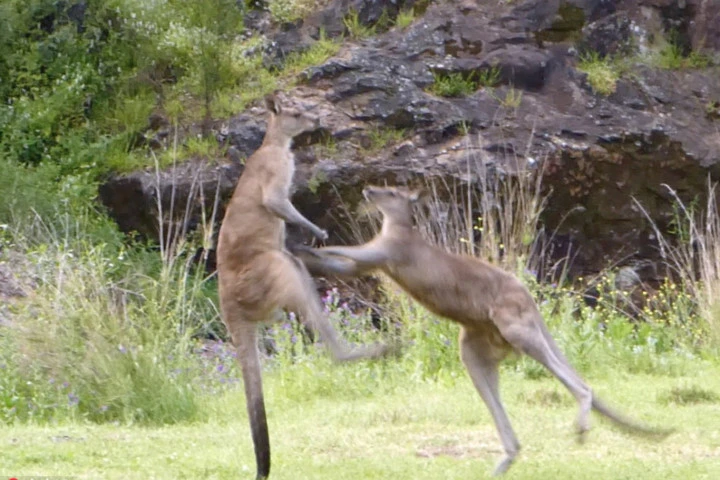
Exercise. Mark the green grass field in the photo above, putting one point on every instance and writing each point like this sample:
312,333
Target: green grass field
437,430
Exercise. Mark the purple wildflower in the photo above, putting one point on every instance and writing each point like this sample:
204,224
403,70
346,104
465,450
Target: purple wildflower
73,399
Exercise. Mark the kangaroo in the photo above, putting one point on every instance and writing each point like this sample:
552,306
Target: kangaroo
257,277
496,311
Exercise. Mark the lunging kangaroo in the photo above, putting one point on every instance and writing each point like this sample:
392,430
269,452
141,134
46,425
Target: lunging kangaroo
495,310
257,277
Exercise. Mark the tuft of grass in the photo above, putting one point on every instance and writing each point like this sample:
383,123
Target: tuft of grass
201,147
405,18
453,85
381,137
488,77
512,99
602,73
317,54
460,84
327,147
672,57
355,28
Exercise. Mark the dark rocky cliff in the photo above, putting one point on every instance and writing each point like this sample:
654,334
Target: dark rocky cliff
657,127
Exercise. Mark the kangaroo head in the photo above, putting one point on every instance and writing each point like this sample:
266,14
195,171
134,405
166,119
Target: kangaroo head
395,203
286,121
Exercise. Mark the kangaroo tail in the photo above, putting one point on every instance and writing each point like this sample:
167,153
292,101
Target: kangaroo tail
602,408
628,425
252,378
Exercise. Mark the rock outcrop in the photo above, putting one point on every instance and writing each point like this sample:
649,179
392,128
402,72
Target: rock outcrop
382,124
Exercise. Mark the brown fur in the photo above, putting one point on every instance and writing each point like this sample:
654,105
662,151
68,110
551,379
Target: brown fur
496,312
257,277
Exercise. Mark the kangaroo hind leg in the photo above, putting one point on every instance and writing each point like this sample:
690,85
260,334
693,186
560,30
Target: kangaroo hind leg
528,336
481,359
299,295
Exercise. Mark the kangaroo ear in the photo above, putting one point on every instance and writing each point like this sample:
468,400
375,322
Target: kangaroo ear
273,103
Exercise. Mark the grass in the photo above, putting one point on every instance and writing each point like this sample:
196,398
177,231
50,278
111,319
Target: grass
380,137
419,431
692,251
602,73
355,28
512,99
405,18
461,84
453,85
671,56
318,53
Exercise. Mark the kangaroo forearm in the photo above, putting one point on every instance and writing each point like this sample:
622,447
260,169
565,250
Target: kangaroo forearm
318,263
366,256
287,211
328,265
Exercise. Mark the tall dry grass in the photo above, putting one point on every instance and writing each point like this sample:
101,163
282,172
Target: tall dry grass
692,252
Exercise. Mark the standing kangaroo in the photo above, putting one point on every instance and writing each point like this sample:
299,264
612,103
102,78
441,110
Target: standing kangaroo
495,310
257,277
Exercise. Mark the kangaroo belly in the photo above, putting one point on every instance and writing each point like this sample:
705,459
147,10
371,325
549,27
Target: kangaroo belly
443,295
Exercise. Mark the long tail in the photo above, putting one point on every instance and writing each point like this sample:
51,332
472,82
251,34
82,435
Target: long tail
252,378
628,425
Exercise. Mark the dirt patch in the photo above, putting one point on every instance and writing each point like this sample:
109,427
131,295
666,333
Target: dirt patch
477,445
